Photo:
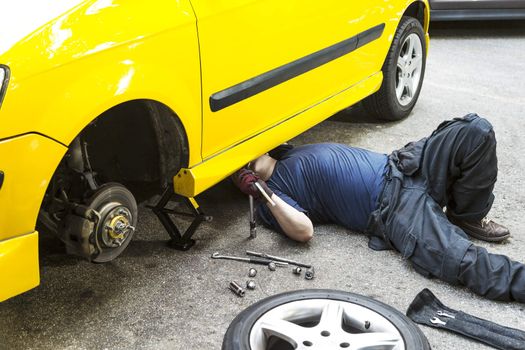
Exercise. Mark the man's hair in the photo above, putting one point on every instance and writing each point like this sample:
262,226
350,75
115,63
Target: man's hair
279,151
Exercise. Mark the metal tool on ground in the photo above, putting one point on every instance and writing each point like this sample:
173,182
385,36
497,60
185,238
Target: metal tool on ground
297,270
252,272
277,258
309,273
253,224
252,260
236,288
250,284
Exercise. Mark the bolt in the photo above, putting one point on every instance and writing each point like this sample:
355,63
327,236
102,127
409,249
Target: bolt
250,285
297,270
234,287
272,266
252,272
310,273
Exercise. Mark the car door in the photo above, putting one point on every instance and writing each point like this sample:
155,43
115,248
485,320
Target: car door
264,61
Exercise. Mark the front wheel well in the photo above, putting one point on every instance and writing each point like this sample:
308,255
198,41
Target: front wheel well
141,144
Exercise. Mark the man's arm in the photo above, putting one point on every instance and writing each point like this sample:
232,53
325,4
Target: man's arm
294,223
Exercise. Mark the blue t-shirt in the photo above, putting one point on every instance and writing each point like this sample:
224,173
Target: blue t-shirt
331,183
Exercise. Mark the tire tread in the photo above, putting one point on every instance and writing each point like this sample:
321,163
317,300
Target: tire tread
379,105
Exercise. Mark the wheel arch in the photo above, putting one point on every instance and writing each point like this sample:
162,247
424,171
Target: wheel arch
420,11
137,141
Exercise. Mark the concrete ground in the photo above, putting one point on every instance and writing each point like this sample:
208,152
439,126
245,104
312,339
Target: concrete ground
155,297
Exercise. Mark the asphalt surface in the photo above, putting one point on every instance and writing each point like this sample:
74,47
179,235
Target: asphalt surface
155,297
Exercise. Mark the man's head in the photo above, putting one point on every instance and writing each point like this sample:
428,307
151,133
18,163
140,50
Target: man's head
264,165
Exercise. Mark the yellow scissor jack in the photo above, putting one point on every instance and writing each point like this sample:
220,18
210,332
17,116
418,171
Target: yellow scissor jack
179,241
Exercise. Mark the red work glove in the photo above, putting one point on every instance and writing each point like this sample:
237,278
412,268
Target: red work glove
245,180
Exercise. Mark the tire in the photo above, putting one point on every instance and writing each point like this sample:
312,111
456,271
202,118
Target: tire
385,104
247,329
119,195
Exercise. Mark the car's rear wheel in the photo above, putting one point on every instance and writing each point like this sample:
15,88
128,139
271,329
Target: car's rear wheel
403,73
322,319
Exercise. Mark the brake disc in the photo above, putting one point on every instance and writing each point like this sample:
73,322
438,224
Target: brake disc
117,218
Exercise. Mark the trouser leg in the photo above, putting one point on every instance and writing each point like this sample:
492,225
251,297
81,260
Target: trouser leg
460,165
418,228
491,275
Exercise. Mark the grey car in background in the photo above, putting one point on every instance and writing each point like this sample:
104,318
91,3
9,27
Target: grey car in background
453,10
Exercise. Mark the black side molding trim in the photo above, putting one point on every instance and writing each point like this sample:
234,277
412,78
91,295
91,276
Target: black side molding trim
265,81
477,15
1,178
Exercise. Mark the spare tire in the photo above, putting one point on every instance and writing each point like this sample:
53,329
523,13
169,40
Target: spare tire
322,319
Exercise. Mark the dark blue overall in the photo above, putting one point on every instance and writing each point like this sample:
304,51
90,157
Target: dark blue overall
398,200
456,168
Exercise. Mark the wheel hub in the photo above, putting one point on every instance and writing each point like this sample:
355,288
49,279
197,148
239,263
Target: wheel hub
115,225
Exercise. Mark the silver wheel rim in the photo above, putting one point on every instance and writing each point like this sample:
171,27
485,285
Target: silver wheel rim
325,324
409,66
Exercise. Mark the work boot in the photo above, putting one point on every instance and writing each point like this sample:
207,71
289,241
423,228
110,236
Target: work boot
485,229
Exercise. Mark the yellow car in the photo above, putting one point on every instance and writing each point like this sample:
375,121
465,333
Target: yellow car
105,102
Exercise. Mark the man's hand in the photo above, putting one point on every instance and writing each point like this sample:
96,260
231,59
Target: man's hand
245,180
295,224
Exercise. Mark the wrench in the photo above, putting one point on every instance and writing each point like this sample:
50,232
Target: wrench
436,320
253,260
276,258
445,314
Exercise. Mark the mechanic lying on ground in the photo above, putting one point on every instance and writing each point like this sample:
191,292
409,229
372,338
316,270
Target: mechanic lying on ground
398,200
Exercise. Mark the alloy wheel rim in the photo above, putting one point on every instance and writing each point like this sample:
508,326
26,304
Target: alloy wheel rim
409,68
324,324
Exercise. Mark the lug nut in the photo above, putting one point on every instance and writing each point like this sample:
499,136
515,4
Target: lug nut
309,273
272,266
234,287
250,285
252,272
297,270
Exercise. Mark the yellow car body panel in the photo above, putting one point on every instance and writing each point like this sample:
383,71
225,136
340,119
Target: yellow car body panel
247,46
98,55
72,60
18,265
28,163
190,182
